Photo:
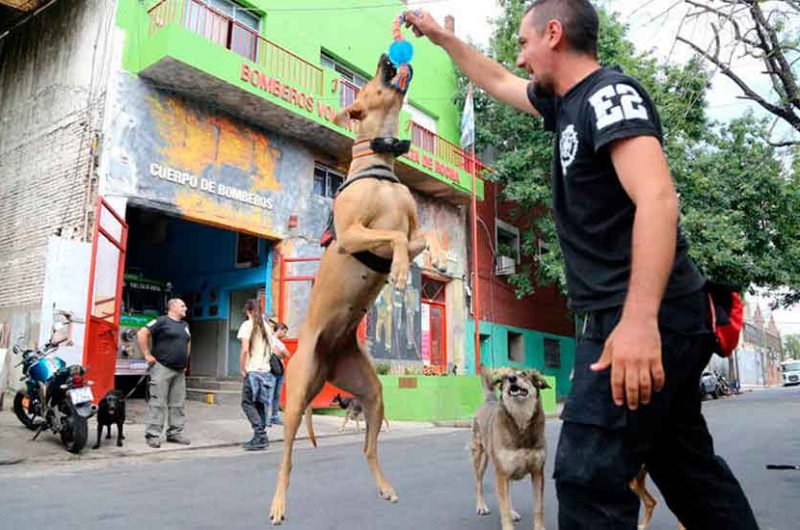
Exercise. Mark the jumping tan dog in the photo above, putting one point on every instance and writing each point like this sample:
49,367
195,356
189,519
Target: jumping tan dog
376,237
510,433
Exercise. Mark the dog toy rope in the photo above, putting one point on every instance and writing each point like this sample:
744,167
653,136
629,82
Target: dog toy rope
401,51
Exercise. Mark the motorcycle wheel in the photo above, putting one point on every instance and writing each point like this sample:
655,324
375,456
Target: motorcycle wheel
22,404
74,433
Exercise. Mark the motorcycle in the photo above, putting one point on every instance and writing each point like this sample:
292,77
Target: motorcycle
714,384
56,396
709,385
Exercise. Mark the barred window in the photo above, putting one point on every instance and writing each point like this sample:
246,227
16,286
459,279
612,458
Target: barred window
552,353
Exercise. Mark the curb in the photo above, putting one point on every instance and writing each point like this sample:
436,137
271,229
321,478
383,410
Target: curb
11,461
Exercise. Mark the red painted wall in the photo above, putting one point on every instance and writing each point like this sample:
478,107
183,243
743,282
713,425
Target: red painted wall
545,310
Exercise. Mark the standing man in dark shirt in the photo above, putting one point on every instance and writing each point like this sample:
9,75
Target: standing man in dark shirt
172,344
627,268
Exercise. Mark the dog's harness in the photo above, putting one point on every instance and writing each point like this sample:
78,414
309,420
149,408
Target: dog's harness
373,262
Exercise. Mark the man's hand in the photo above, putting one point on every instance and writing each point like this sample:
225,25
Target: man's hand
422,23
149,358
244,373
633,351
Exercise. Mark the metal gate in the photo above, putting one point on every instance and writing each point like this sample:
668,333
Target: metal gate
104,302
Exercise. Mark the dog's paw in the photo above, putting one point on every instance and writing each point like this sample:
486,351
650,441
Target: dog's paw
399,273
482,509
277,514
515,516
388,494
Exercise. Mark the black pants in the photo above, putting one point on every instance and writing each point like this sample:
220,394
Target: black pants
602,446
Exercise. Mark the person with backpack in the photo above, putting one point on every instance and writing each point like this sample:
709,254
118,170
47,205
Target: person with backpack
279,354
258,380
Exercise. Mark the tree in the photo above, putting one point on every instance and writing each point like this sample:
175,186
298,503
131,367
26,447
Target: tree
791,346
741,208
763,30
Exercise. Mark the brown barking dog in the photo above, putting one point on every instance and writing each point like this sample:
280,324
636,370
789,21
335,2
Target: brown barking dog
374,219
510,432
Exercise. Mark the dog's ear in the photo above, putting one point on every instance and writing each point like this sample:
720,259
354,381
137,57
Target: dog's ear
538,381
355,111
497,381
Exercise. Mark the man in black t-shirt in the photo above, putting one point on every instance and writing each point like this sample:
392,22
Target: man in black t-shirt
167,362
646,339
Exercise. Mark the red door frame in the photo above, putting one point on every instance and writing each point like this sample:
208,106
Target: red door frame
443,305
325,397
96,327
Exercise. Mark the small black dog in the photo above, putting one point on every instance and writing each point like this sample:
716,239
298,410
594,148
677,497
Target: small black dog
353,410
111,410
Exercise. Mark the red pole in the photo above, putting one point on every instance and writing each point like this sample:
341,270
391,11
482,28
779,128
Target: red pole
476,306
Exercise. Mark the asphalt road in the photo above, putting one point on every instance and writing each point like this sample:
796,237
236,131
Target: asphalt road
332,488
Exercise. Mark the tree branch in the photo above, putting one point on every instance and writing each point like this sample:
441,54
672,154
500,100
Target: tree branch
784,113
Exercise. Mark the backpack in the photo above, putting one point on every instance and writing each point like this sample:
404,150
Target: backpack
726,313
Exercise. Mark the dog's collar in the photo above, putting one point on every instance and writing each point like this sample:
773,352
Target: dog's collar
392,146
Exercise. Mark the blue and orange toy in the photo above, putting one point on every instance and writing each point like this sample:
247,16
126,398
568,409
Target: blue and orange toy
400,53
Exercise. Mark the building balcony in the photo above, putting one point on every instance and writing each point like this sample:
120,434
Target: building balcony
191,48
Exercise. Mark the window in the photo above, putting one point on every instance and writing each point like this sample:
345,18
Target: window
516,347
507,240
326,181
226,23
246,251
352,81
433,290
420,117
552,353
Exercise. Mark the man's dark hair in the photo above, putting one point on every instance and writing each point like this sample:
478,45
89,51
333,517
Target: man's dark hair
578,17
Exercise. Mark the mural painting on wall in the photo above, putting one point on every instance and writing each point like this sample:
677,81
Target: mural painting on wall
394,322
445,226
183,157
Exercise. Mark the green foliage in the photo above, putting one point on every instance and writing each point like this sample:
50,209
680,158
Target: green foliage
791,346
740,207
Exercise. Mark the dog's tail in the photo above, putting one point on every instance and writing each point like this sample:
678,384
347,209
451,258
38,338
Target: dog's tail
488,384
310,427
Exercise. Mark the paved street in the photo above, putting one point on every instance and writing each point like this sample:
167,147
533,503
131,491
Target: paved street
332,488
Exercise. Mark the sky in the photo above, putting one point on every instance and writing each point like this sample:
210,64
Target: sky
652,27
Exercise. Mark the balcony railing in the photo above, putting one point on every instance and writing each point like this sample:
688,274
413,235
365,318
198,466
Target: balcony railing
446,151
220,29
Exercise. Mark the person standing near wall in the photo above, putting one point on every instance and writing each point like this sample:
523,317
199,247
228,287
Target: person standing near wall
172,344
280,353
259,383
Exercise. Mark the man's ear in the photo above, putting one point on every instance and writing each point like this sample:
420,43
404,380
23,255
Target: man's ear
353,112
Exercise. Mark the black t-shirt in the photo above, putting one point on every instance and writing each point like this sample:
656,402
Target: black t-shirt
593,213
170,341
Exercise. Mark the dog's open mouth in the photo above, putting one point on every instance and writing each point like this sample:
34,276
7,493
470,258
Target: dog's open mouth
389,70
517,391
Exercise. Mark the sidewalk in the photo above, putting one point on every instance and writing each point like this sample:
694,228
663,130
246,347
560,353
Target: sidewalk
208,426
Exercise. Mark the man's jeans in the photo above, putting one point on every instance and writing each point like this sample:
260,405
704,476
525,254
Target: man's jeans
602,446
276,399
167,396
256,399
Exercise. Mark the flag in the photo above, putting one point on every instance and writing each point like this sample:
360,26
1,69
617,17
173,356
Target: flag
468,121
